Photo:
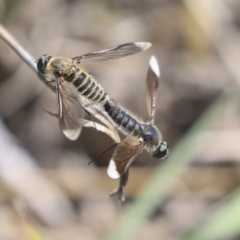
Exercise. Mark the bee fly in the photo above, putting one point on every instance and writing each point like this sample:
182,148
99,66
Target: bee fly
141,135
77,91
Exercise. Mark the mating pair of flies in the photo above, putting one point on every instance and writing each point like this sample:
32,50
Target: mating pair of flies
77,91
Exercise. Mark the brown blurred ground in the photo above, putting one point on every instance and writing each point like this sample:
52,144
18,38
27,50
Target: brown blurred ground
194,58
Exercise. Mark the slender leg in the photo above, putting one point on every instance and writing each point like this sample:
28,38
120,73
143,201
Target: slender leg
118,193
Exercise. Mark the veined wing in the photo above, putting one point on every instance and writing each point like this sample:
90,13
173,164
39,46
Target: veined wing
99,127
115,52
99,115
152,79
110,129
71,112
125,153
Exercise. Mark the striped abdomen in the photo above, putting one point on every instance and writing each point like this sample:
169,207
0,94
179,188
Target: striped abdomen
87,86
122,119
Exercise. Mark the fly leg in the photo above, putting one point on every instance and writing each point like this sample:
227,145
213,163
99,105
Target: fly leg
118,193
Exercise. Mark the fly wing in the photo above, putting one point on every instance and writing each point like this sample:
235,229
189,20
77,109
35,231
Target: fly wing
69,112
99,115
86,123
125,153
99,127
115,52
112,132
153,75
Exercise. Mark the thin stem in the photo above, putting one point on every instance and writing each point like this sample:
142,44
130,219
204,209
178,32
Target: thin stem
22,53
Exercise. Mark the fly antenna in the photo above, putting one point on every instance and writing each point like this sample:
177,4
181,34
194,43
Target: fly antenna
114,145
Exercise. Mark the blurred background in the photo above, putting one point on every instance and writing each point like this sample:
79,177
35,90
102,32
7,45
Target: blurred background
47,188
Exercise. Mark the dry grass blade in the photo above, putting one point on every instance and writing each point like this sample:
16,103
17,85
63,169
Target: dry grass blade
22,53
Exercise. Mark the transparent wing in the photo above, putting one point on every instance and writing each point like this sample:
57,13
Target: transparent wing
114,134
125,153
153,75
100,127
115,52
87,123
98,115
71,112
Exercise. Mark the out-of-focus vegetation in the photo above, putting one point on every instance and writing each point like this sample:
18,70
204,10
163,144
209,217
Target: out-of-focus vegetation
47,189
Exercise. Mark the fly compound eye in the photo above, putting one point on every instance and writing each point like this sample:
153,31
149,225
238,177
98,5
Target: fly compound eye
42,63
162,151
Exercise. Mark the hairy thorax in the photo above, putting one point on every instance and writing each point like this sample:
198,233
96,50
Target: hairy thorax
60,66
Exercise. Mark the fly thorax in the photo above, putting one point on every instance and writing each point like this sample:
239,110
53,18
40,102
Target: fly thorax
60,66
150,135
153,140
